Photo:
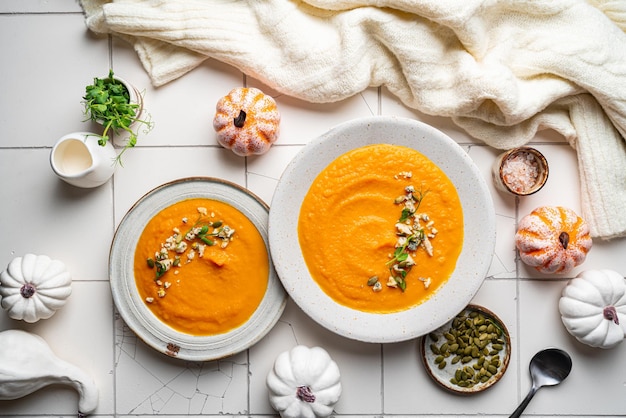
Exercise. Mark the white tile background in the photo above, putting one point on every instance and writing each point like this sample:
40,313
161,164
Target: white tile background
48,57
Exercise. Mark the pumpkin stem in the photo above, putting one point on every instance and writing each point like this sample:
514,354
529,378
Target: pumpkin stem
304,394
240,119
27,290
564,239
611,314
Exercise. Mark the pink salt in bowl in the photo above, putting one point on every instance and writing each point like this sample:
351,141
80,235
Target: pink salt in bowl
520,171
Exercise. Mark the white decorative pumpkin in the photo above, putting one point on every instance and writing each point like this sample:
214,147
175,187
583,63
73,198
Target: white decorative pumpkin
304,383
593,308
34,287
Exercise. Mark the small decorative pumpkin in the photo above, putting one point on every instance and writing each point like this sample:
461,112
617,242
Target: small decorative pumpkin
247,121
553,239
593,308
34,287
304,383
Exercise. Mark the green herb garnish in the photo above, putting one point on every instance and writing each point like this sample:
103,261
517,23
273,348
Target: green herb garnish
203,232
411,233
107,101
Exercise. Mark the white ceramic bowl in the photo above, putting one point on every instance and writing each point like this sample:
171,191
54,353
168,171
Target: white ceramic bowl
134,310
473,262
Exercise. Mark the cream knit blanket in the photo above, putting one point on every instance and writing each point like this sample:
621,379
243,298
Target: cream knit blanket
501,69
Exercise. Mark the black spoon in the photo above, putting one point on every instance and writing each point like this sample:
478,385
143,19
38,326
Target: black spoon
548,367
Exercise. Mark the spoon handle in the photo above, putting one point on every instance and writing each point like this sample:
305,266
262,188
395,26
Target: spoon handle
518,412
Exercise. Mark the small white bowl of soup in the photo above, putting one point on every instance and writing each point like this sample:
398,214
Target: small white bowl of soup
191,272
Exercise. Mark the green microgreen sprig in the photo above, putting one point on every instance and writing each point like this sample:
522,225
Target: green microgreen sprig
107,101
401,262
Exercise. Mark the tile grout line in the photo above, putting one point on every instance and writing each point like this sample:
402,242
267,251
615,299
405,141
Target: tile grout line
518,325
114,309
110,47
41,13
244,82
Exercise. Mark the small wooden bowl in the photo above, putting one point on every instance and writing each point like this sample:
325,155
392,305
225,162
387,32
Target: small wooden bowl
447,376
507,180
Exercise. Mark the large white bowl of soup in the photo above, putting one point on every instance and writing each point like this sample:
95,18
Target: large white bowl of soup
382,229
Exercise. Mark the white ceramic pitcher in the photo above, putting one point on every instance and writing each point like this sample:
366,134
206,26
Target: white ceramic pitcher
79,160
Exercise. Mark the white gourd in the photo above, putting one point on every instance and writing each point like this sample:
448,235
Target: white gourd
304,383
34,287
27,364
593,308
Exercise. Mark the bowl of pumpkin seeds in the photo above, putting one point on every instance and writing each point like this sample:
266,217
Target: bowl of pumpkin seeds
468,354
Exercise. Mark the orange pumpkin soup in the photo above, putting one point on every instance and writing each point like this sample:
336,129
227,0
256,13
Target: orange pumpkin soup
201,266
381,228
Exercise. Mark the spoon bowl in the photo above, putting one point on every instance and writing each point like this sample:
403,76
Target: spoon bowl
548,367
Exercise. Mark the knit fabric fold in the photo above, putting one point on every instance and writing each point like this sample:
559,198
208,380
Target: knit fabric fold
501,69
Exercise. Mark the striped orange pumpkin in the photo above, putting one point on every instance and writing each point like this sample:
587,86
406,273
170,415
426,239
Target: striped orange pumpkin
553,239
246,121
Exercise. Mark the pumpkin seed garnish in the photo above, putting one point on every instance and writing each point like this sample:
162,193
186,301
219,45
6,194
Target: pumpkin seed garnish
372,281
